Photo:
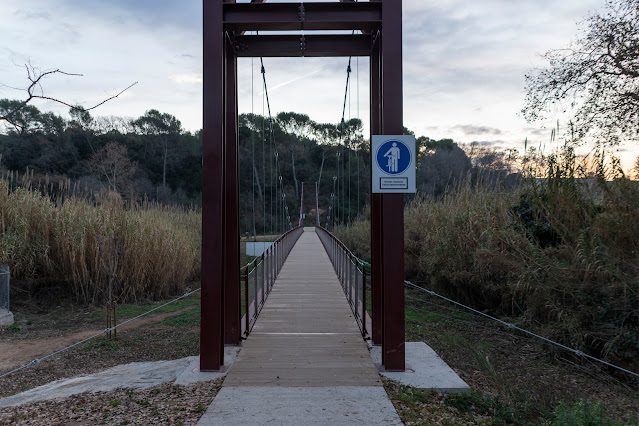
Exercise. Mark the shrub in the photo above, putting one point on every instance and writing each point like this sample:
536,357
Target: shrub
99,249
561,251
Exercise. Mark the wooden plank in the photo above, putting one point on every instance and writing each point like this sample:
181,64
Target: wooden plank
306,334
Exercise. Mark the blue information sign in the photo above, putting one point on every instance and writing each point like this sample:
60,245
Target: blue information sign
393,166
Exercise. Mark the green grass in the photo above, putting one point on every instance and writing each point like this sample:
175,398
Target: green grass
102,345
482,404
420,317
131,310
584,413
424,407
246,260
187,318
427,407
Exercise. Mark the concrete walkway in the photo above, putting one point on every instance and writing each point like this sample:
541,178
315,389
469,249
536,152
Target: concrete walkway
305,361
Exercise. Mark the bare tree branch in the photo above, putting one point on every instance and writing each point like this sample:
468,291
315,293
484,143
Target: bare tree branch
35,78
596,79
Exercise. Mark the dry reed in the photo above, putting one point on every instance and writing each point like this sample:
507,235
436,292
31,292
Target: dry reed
560,253
100,248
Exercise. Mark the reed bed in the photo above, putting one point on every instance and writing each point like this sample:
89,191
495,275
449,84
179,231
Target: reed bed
96,247
559,254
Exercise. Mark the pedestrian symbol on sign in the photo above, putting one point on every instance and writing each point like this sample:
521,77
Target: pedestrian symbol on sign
393,157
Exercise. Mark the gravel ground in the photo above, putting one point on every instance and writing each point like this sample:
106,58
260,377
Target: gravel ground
162,405
515,379
431,408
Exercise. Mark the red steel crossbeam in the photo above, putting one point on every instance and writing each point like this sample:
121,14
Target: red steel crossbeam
298,45
364,16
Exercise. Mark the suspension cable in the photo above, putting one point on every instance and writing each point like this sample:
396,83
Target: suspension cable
530,333
342,123
277,201
359,168
253,148
263,159
107,330
349,140
270,120
509,325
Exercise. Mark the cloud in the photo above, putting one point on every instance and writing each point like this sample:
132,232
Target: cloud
277,86
192,78
28,15
469,129
463,61
155,14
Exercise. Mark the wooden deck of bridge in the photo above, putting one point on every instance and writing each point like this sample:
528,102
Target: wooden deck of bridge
306,334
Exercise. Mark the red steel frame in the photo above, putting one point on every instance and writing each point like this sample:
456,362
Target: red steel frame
225,39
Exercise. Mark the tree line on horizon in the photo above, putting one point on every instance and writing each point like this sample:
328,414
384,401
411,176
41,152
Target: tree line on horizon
152,157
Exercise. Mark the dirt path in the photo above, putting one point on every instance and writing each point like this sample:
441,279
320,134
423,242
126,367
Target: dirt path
19,352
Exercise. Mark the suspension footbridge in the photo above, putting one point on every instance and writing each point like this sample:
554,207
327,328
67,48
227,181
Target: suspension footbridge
305,358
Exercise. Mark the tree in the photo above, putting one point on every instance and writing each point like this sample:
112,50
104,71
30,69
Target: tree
441,166
111,165
596,78
165,129
23,118
297,124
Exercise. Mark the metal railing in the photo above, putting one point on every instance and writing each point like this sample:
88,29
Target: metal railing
351,272
259,276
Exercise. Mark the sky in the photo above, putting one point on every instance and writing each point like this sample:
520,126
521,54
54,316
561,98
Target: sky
464,63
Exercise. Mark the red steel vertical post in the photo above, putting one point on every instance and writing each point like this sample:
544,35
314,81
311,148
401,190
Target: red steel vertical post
211,335
231,228
392,209
376,201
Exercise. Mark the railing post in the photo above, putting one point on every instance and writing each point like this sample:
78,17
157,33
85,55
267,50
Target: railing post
364,300
270,268
341,266
263,279
349,278
274,266
356,295
256,271
246,300
352,278
338,257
